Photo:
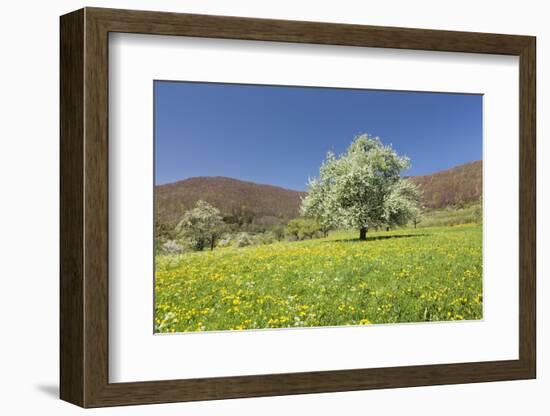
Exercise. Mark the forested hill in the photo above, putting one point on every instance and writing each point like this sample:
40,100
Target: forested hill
266,204
462,183
243,200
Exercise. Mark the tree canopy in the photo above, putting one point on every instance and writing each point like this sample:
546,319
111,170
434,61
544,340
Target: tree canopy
362,188
201,226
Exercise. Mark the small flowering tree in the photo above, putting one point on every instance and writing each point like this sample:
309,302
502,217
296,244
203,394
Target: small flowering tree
320,205
362,188
402,204
417,216
201,226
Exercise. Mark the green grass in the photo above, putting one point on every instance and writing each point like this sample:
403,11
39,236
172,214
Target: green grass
452,216
427,274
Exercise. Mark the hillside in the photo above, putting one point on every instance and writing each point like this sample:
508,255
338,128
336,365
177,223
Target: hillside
239,201
247,202
462,183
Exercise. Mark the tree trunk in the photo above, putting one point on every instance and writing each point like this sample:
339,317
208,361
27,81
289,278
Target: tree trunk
212,243
363,233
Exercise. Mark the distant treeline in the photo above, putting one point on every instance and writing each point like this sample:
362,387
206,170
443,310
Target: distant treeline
171,240
244,205
203,227
254,208
453,187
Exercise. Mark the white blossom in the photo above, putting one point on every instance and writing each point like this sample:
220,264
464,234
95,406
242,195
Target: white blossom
362,188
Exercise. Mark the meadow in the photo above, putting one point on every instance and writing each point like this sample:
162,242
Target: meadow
432,273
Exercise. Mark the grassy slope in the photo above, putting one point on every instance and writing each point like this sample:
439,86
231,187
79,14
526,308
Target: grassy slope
452,216
428,274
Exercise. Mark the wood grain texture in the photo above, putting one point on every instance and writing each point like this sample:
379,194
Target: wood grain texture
96,208
84,207
162,23
527,208
71,208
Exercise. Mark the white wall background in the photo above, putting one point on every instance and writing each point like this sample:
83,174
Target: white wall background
29,158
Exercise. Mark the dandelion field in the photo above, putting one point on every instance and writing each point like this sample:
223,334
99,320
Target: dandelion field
404,275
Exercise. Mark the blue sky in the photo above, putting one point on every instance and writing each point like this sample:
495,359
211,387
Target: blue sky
280,135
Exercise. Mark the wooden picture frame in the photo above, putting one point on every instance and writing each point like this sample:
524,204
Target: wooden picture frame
84,207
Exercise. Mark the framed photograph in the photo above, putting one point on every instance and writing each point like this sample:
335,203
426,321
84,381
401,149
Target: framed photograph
255,207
